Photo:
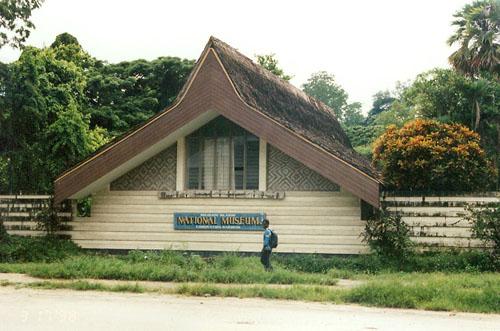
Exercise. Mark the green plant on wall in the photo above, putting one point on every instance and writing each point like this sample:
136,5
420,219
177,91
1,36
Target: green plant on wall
389,236
486,226
84,207
3,232
48,219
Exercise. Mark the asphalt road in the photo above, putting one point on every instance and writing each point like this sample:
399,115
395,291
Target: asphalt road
28,309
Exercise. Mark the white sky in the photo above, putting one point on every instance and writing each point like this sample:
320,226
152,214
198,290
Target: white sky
367,45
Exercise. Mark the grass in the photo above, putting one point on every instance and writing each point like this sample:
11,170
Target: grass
437,261
461,292
83,285
466,292
459,281
167,266
296,292
28,249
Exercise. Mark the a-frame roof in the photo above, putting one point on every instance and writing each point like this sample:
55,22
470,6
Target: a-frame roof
228,83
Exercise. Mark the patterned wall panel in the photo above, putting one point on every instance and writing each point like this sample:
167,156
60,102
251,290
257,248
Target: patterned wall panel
287,174
156,174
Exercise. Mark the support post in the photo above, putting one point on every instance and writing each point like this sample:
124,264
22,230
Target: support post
181,164
262,165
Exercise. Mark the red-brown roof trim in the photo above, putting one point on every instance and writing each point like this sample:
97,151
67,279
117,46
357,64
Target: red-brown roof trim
210,87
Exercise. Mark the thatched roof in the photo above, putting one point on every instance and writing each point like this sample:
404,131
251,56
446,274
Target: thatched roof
288,105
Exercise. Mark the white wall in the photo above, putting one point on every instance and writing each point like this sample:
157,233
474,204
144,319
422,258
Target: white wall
307,222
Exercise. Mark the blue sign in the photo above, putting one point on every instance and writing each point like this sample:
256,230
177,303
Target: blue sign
219,221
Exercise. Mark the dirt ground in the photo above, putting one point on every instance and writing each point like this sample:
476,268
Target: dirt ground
25,279
28,309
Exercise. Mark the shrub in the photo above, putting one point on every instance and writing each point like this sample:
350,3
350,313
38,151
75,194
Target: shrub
430,261
427,155
362,134
48,219
3,232
34,249
314,263
486,225
389,236
453,260
84,207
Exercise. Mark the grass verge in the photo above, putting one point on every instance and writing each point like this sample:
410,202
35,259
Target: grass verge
477,293
83,285
167,266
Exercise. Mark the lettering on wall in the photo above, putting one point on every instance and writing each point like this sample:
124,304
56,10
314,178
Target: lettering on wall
219,221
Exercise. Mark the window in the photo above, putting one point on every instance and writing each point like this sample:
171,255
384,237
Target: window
222,156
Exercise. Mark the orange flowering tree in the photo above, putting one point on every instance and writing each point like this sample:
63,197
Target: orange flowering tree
426,155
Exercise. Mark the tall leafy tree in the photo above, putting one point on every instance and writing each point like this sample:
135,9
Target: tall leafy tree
58,103
65,39
397,114
270,62
452,97
125,94
477,34
382,101
45,126
15,23
352,115
69,139
322,86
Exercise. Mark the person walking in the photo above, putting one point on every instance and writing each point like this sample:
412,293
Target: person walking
265,255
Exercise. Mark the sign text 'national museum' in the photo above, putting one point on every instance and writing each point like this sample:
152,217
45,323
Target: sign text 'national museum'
219,221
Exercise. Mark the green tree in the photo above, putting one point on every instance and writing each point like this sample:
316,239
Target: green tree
397,114
58,103
126,94
477,31
66,47
352,115
382,101
441,94
15,23
269,62
449,96
363,136
69,139
322,86
42,90
64,39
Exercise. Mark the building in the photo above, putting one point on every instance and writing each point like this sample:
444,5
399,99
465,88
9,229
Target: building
238,144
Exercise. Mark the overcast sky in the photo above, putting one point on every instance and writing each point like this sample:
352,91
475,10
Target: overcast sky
367,45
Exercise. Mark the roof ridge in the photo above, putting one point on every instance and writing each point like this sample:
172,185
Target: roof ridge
287,104
274,77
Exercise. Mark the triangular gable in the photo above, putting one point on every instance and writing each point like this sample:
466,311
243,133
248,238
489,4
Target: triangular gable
209,91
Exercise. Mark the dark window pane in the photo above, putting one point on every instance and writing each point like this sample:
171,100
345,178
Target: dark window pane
193,162
252,160
239,162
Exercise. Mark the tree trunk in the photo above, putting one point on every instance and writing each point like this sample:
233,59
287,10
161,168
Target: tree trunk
478,115
497,158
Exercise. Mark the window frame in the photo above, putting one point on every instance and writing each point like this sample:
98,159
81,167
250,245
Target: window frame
233,131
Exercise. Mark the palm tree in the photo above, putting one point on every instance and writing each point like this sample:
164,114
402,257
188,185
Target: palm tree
478,37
